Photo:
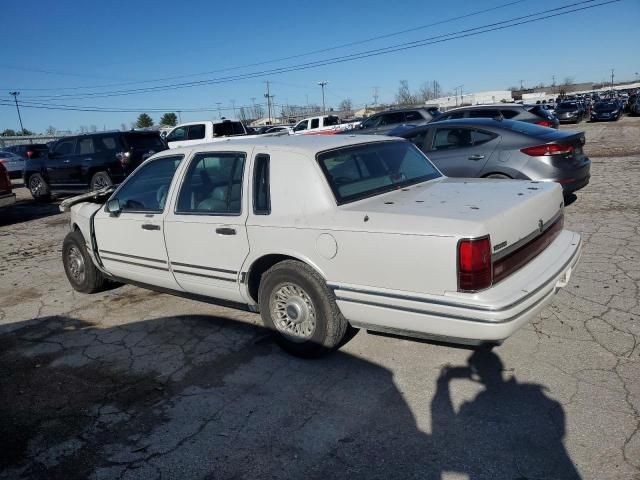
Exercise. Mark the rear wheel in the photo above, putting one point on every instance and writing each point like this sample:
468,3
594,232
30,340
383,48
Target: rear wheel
38,187
100,180
297,305
81,272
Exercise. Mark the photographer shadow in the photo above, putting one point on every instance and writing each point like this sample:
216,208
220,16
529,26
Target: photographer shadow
509,430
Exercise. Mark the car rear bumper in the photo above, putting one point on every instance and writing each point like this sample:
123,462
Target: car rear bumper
488,316
7,199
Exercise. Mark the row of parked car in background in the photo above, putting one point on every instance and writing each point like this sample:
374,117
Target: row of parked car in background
506,140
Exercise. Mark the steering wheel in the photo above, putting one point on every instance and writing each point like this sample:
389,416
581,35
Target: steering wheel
161,195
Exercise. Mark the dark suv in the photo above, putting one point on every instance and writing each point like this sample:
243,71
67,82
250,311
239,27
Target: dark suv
523,113
89,162
381,123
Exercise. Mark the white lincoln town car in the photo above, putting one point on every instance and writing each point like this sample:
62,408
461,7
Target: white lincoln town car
326,234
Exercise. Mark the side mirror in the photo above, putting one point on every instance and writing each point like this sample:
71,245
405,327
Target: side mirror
113,207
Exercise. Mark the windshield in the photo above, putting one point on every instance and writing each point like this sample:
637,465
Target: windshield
605,107
146,142
370,169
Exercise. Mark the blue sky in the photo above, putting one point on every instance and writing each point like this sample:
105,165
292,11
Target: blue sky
62,45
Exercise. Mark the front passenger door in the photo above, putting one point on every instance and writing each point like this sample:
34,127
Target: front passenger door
131,244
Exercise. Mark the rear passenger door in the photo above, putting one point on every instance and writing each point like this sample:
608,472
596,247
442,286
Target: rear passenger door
205,231
460,151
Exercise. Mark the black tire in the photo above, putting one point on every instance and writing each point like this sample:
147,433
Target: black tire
498,175
38,187
81,272
331,328
100,180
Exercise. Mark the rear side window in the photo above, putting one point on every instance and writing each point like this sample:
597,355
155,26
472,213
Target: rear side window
315,122
213,184
331,120
106,144
392,118
478,137
484,113
261,193
508,114
448,138
227,128
196,132
85,146
413,117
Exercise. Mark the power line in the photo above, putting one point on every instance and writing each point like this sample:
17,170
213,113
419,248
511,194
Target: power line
525,19
265,62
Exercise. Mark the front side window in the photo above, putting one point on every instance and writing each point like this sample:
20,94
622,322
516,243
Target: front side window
261,193
392,118
418,138
370,169
213,184
196,132
301,126
177,134
483,113
413,117
146,190
64,147
372,122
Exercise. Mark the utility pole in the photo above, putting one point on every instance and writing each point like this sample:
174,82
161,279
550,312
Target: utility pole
322,85
219,114
268,96
233,105
375,96
179,116
521,87
612,79
15,97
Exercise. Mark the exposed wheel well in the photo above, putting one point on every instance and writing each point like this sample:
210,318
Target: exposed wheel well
258,268
496,173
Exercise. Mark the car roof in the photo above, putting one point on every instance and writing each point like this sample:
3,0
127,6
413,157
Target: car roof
304,144
492,105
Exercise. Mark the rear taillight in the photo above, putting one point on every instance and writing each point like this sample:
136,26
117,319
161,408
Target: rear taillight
545,123
548,149
474,264
29,153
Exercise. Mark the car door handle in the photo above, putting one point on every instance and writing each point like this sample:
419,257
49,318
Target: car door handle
149,226
66,161
226,231
476,157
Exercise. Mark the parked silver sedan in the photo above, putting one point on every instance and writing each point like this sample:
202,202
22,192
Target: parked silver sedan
503,149
13,163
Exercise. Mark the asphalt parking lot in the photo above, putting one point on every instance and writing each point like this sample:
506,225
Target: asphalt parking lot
131,383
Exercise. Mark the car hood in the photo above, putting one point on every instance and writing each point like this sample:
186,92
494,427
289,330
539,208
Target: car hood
508,210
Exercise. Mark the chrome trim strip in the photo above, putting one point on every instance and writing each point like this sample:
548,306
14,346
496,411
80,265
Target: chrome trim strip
448,315
211,269
466,306
183,272
135,263
133,256
523,241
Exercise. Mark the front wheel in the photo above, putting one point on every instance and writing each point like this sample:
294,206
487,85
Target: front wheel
100,180
81,272
38,187
297,305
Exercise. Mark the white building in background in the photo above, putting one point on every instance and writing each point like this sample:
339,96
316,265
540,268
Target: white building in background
477,98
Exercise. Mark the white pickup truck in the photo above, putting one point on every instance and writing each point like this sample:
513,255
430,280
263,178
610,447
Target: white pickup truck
324,234
206,131
322,125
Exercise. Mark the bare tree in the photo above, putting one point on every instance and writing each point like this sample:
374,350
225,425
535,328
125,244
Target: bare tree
83,129
404,95
93,128
567,81
51,130
123,127
345,106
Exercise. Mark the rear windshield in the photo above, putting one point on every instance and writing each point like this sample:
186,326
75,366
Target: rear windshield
568,105
228,128
370,169
605,107
147,142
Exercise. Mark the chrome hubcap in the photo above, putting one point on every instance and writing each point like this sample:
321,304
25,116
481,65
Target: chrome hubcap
293,312
75,261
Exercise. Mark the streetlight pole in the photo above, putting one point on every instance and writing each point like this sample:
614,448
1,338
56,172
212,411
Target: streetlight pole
15,98
612,79
219,114
322,85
